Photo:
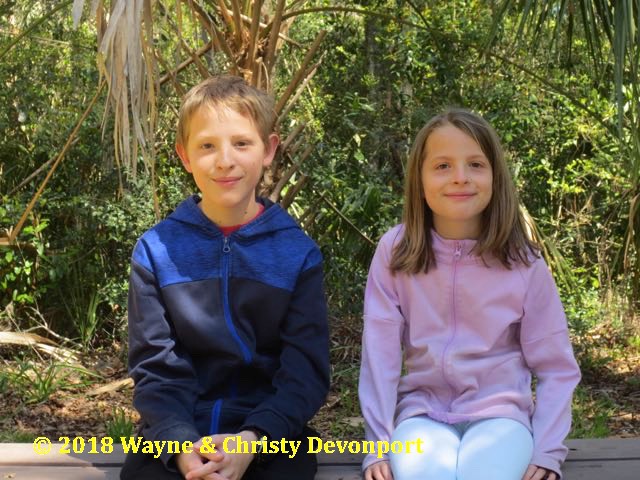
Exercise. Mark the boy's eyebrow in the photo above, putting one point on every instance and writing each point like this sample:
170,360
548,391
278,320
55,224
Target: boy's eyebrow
207,136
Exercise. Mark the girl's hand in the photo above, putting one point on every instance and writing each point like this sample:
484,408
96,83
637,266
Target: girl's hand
535,472
378,471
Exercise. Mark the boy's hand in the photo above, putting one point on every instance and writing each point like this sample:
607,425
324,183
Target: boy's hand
187,462
378,471
535,472
223,465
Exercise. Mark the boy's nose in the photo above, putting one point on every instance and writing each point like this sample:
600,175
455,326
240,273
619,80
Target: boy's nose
225,158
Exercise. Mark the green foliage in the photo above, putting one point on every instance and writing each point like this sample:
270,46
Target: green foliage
15,435
4,382
590,415
35,383
119,425
20,266
556,122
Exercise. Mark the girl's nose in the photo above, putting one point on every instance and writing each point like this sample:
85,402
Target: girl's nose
460,174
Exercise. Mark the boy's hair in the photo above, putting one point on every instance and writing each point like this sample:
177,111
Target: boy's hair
230,92
503,230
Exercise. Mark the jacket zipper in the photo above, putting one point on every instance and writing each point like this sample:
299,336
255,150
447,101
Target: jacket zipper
215,417
217,406
226,259
456,257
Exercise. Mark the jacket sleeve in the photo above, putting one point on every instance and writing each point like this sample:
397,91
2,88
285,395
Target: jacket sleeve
548,353
302,381
381,351
165,383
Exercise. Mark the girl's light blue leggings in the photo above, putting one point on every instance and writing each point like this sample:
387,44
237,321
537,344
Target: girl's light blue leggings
495,448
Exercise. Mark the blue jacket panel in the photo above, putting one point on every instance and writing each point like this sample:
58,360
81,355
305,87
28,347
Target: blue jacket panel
227,332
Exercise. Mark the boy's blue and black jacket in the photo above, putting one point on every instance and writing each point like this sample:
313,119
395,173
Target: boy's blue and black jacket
227,332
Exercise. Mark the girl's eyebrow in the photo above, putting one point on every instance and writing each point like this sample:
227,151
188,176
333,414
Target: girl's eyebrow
448,157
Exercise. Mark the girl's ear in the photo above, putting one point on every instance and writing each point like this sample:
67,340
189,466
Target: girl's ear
270,149
182,153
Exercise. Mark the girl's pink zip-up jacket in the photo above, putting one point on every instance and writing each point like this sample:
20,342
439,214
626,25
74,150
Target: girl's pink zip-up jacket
471,336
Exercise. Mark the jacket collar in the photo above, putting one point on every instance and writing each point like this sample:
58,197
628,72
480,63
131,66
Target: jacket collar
446,250
273,218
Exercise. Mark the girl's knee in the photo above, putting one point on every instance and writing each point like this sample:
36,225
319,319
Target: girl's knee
430,450
499,449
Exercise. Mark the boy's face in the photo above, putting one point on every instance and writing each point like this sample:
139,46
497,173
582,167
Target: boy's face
225,154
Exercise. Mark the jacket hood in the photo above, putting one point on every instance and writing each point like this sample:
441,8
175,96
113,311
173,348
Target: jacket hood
273,219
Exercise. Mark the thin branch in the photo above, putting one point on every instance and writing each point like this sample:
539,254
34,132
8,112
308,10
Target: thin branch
293,191
275,194
16,231
292,135
361,11
300,74
237,24
34,25
273,38
343,217
225,14
295,98
216,35
34,174
170,76
172,73
253,33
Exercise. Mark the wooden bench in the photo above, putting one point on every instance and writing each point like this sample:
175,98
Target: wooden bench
598,459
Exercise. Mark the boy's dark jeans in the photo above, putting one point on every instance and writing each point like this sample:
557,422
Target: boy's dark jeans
302,466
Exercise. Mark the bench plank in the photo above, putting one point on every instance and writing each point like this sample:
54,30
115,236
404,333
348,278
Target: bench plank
60,473
609,448
589,459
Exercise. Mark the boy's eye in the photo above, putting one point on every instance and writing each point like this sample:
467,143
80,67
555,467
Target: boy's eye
243,143
206,146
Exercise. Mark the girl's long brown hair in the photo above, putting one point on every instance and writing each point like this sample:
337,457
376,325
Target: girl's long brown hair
503,233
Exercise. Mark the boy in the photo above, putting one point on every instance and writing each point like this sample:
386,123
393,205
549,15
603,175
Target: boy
228,327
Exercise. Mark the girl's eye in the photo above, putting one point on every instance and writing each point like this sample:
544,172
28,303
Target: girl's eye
477,164
442,166
206,146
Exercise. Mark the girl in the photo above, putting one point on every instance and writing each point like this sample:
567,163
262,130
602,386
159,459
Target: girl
461,295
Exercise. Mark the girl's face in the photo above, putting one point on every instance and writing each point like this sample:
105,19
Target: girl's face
457,182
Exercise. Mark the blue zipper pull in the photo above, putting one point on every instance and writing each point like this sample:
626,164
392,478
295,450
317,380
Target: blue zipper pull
226,248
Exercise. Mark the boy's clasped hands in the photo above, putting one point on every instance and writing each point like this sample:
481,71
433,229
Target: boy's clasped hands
202,464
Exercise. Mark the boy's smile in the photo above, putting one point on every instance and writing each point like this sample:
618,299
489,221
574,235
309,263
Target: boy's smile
226,155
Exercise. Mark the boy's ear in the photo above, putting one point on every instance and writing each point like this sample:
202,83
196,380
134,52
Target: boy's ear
182,153
271,148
